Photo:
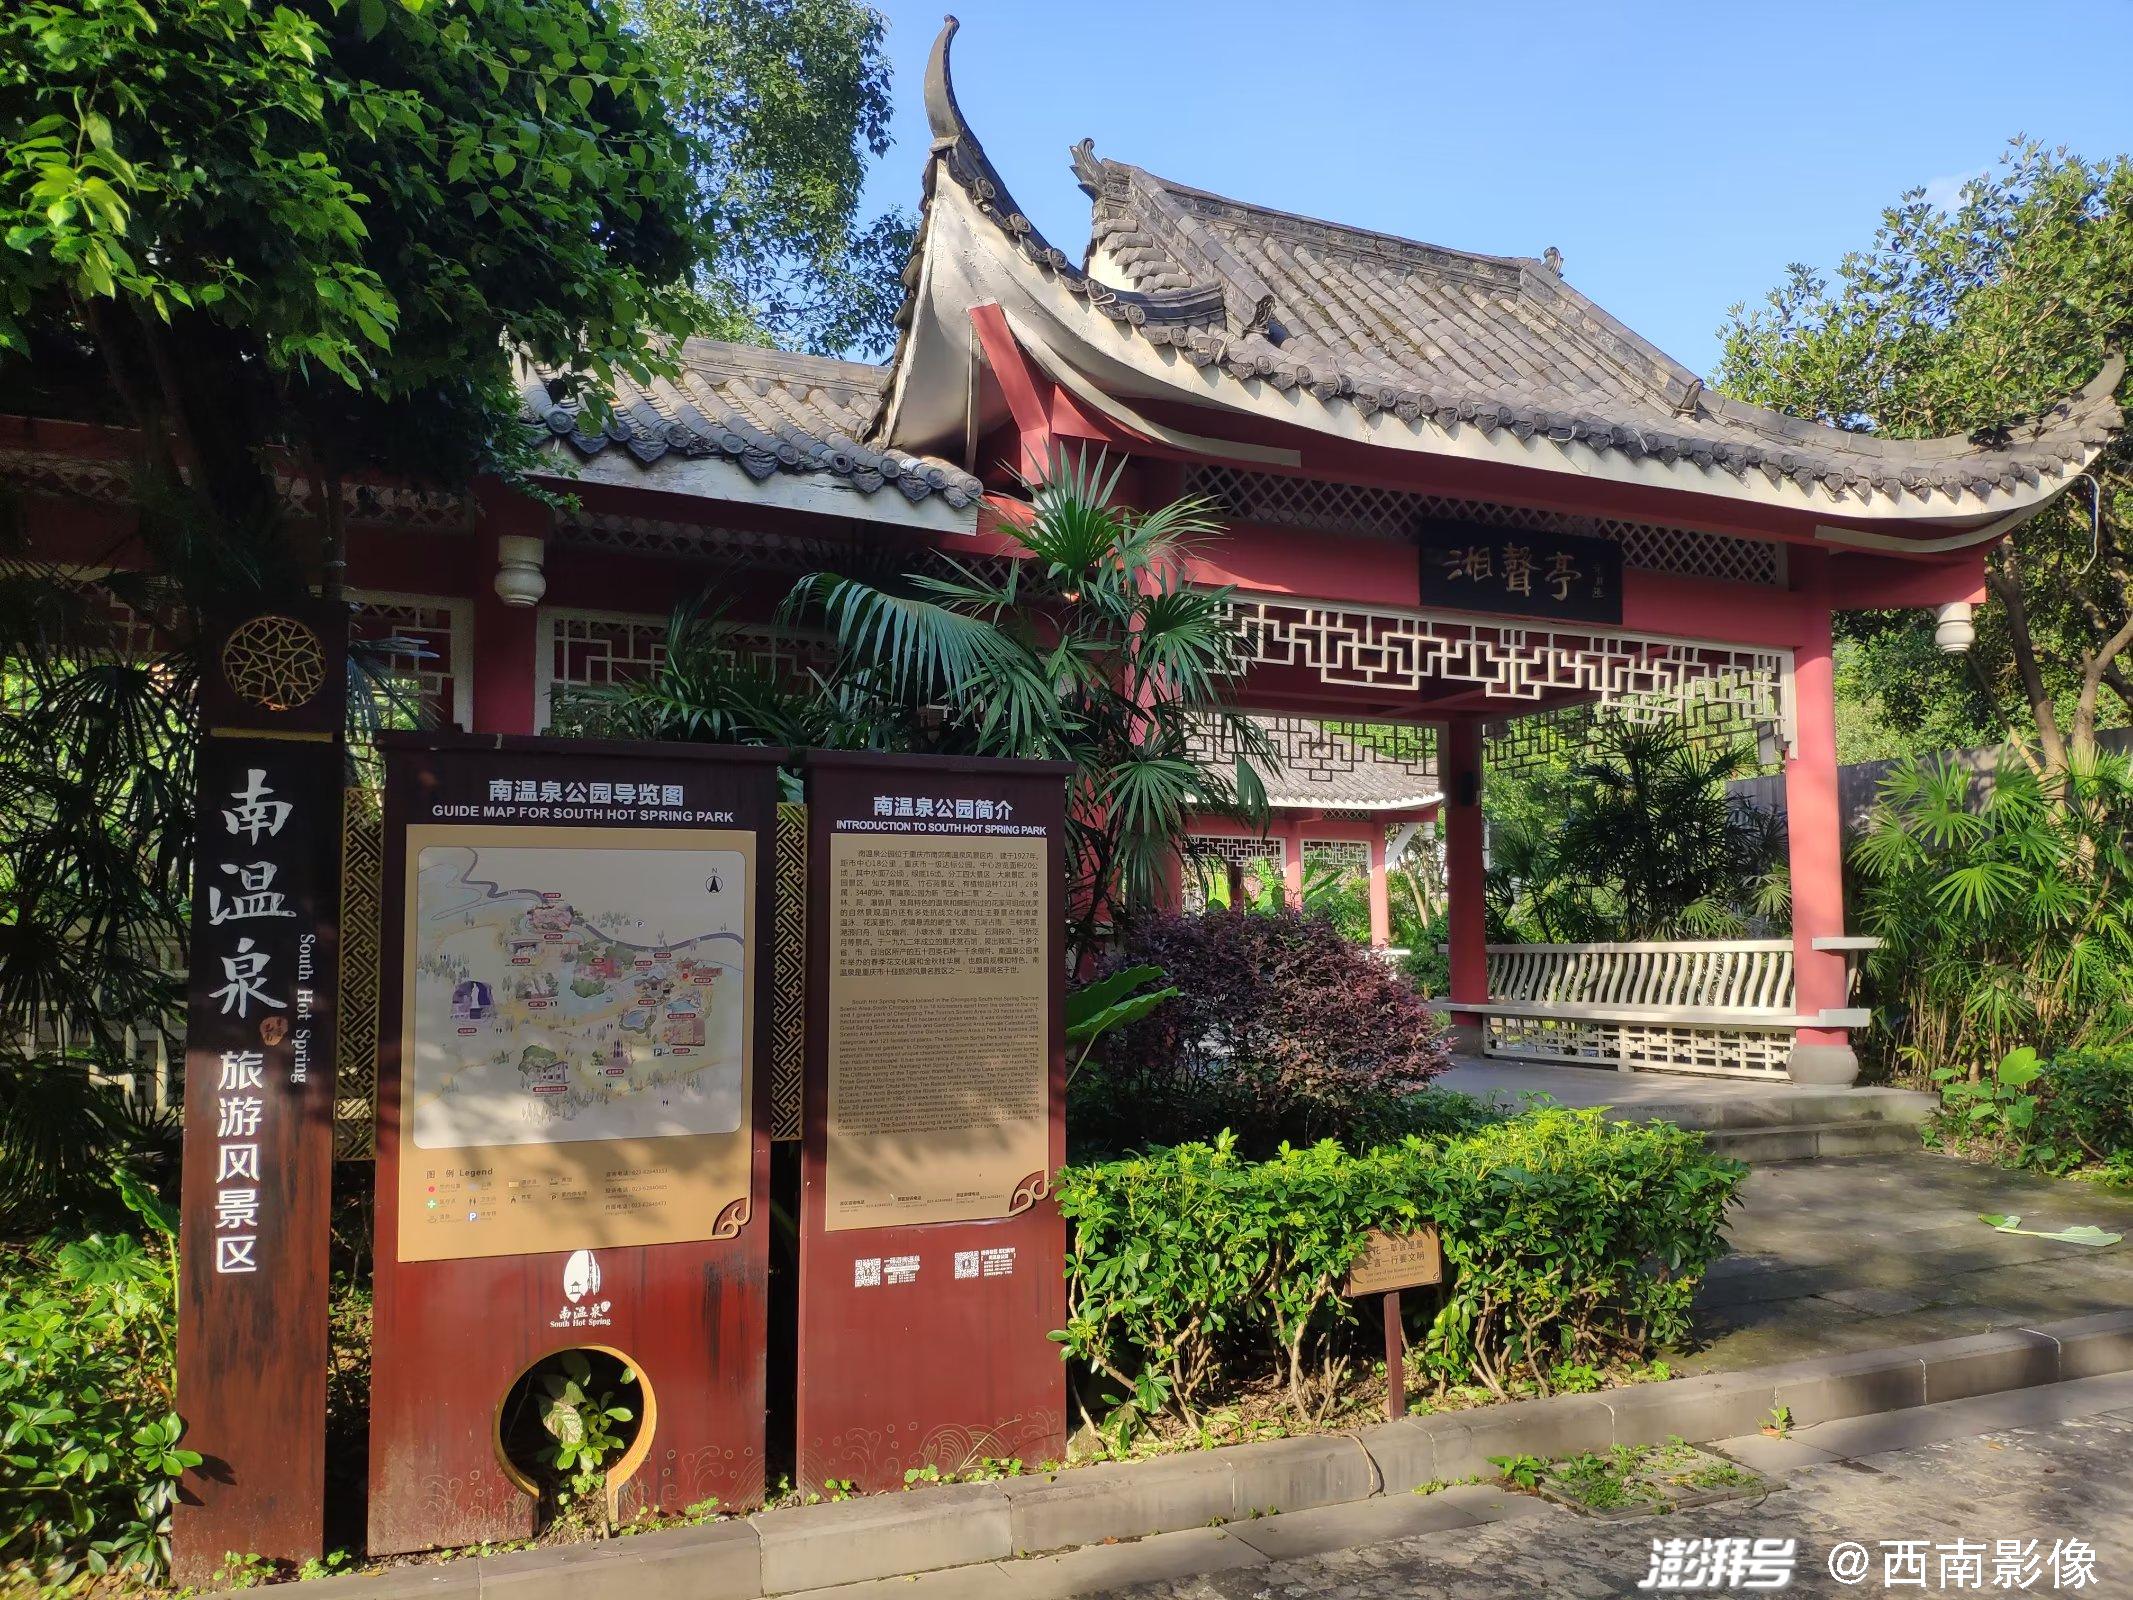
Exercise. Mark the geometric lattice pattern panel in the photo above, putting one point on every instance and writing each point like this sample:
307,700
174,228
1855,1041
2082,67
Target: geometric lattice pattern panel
788,1011
1261,863
418,663
1550,740
1348,858
355,1104
1711,1052
1642,677
1317,749
1270,498
590,650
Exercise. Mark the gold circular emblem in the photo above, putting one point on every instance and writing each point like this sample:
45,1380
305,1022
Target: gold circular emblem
274,661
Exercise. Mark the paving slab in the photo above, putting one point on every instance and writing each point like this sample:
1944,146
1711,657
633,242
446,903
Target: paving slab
1773,1457
1310,1533
1875,1252
2051,1481
1105,1567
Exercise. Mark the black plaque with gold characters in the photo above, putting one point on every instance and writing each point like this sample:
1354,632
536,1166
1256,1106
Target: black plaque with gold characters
1519,573
259,1090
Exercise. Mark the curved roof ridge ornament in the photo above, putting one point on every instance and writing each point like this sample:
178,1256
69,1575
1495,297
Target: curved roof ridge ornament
942,113
963,158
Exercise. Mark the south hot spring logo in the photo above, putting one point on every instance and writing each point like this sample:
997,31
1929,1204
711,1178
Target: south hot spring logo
581,1281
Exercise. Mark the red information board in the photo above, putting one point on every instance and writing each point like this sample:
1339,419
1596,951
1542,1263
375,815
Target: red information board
573,1142
931,1253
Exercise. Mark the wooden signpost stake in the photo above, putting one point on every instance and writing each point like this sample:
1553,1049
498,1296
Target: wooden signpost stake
1390,1263
259,1053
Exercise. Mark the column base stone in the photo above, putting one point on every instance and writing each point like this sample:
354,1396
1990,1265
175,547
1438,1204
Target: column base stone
1468,1038
1830,1066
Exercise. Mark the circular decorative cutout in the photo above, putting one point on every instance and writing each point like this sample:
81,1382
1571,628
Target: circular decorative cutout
275,662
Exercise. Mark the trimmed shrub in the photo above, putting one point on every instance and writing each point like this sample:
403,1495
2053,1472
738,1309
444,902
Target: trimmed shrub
1282,1031
1195,1272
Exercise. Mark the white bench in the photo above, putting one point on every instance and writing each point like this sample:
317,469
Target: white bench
1717,1006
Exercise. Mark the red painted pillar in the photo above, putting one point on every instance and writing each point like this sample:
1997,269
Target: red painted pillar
1465,896
506,637
1292,862
1814,837
1380,897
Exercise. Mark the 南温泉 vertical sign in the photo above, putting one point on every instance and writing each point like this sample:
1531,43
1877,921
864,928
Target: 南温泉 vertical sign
258,1152
930,1247
572,1145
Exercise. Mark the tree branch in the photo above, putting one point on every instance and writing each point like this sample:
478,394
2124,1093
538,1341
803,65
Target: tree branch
2008,591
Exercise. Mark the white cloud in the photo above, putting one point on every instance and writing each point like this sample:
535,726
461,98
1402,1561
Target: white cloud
1945,194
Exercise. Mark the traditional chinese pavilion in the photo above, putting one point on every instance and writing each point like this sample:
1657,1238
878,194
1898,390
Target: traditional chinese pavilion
1460,498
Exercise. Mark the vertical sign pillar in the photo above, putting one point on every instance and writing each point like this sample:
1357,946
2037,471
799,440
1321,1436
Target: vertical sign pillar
573,1138
258,1152
931,1250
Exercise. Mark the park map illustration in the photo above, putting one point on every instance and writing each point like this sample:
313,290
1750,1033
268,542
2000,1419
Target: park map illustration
565,995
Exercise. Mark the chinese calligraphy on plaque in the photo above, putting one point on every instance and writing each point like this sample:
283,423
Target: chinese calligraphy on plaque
1517,572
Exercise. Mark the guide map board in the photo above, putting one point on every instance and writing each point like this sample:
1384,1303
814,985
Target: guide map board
573,1142
577,995
931,1250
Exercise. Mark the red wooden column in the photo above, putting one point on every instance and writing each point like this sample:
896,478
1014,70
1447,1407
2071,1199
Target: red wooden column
1460,759
1814,837
1291,833
506,637
1380,894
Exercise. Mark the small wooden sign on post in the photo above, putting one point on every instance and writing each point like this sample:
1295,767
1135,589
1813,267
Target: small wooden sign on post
1389,1263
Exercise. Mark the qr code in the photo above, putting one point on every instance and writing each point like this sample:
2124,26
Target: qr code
866,1272
966,1263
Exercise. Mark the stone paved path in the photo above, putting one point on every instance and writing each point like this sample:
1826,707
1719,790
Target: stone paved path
1873,1251
2034,1473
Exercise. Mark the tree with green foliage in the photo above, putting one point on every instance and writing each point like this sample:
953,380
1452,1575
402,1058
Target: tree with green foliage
788,99
2003,910
319,240
1964,321
324,234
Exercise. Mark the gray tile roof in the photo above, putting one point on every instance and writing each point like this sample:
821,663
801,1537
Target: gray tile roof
768,411
1386,323
1319,768
1370,785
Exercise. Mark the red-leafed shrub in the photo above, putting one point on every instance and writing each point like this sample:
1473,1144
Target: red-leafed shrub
1281,1030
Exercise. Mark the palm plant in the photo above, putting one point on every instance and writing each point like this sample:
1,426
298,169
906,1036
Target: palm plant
1093,648
2005,908
98,728
1642,842
1090,646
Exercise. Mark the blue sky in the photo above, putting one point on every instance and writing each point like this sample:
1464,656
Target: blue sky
1679,155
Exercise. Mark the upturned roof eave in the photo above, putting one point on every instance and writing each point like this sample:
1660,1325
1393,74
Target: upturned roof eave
1185,342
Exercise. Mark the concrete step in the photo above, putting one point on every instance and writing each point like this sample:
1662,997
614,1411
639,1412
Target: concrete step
1811,1141
1753,1105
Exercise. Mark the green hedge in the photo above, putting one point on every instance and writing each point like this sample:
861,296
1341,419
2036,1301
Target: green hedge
1568,1239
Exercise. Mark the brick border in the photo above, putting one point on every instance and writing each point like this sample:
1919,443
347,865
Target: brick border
885,1536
